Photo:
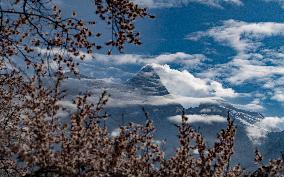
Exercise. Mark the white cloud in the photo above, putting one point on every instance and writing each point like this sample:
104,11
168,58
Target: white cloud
247,71
185,84
179,58
220,91
194,118
278,95
241,36
155,3
177,3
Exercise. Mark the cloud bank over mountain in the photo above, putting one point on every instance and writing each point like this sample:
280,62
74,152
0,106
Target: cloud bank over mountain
208,119
260,129
185,84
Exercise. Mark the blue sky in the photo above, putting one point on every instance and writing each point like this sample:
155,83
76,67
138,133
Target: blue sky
234,46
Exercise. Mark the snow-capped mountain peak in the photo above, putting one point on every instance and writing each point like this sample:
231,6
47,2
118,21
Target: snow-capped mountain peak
148,81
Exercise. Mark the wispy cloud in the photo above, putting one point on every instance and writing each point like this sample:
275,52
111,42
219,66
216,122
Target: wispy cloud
252,63
177,3
242,36
254,105
278,94
177,58
210,3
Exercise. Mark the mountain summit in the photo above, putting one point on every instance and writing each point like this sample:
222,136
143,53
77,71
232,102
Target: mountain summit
148,81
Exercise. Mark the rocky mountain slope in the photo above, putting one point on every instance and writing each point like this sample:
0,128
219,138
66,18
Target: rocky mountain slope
148,81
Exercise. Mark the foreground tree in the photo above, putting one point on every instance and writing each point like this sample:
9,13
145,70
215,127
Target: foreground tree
38,45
